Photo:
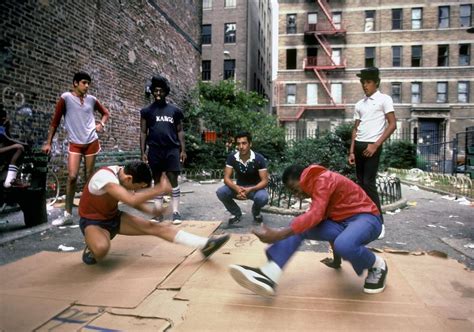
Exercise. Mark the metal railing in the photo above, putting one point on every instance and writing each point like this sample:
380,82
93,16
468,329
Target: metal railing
389,189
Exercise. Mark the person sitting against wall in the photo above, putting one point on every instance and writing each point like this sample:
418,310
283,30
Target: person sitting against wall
10,149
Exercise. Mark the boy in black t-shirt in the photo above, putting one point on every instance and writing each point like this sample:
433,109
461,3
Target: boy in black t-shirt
252,178
161,129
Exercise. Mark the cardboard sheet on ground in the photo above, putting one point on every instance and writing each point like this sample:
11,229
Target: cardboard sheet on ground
133,269
420,295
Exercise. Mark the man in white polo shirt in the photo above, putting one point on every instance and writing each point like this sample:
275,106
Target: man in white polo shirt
374,122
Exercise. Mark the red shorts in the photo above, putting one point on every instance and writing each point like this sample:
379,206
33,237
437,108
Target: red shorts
90,149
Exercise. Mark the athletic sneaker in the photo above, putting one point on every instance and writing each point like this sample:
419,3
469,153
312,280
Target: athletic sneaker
234,220
176,218
376,279
158,219
214,244
66,219
258,219
88,256
253,279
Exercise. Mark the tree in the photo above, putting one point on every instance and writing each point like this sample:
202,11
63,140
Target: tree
225,108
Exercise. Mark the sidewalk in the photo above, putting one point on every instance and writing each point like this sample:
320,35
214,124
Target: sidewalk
433,224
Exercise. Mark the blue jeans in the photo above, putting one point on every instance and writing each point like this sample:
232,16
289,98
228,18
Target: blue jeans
226,195
349,237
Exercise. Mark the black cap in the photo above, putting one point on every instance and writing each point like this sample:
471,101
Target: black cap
470,30
371,73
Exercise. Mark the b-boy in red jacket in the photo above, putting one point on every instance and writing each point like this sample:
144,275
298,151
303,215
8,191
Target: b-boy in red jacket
341,212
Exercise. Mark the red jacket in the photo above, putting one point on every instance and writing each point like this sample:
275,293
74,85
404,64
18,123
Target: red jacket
333,197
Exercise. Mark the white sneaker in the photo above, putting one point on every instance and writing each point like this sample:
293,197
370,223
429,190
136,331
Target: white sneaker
177,218
382,233
67,219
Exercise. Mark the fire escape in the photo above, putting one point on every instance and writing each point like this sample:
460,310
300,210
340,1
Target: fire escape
326,61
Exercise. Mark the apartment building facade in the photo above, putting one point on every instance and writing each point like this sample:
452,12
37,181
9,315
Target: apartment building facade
237,43
422,49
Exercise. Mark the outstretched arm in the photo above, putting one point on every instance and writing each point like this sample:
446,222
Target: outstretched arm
136,199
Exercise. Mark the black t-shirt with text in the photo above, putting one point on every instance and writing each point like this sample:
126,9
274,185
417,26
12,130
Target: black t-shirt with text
162,121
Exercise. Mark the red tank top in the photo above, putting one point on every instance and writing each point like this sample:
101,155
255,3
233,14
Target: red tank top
97,207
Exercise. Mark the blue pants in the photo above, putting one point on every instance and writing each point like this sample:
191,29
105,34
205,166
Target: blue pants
226,195
349,237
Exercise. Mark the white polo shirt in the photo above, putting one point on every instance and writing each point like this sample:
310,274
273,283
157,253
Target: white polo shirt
371,113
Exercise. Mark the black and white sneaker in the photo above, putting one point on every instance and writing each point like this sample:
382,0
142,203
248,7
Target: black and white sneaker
214,244
253,279
376,280
88,256
258,219
177,218
234,220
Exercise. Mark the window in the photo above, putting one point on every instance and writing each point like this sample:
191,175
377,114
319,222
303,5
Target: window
229,32
443,55
312,18
207,4
206,70
291,23
465,15
443,16
442,92
291,93
416,53
416,93
416,18
206,34
336,56
311,94
369,20
336,92
369,57
229,69
396,56
463,92
337,19
397,19
229,3
291,58
397,92
464,54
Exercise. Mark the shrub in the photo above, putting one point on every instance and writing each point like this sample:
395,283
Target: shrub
398,154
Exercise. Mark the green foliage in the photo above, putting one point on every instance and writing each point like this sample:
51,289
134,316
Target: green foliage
226,109
329,150
398,154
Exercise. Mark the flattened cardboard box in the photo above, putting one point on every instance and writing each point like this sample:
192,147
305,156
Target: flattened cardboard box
53,281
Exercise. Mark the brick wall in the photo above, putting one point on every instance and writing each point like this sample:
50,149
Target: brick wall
120,43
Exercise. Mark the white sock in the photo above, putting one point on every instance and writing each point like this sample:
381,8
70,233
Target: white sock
175,196
379,262
190,240
272,270
11,175
158,202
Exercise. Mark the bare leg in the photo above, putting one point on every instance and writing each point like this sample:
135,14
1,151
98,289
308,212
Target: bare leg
133,225
74,162
98,241
89,168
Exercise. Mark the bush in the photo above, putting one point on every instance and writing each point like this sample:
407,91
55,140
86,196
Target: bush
328,150
398,154
226,109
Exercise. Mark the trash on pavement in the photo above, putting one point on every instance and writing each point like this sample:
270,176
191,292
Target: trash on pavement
411,203
459,223
469,245
449,198
432,226
443,227
415,188
62,247
453,216
463,201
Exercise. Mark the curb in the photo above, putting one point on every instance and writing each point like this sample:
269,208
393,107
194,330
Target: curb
24,233
430,189
296,212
